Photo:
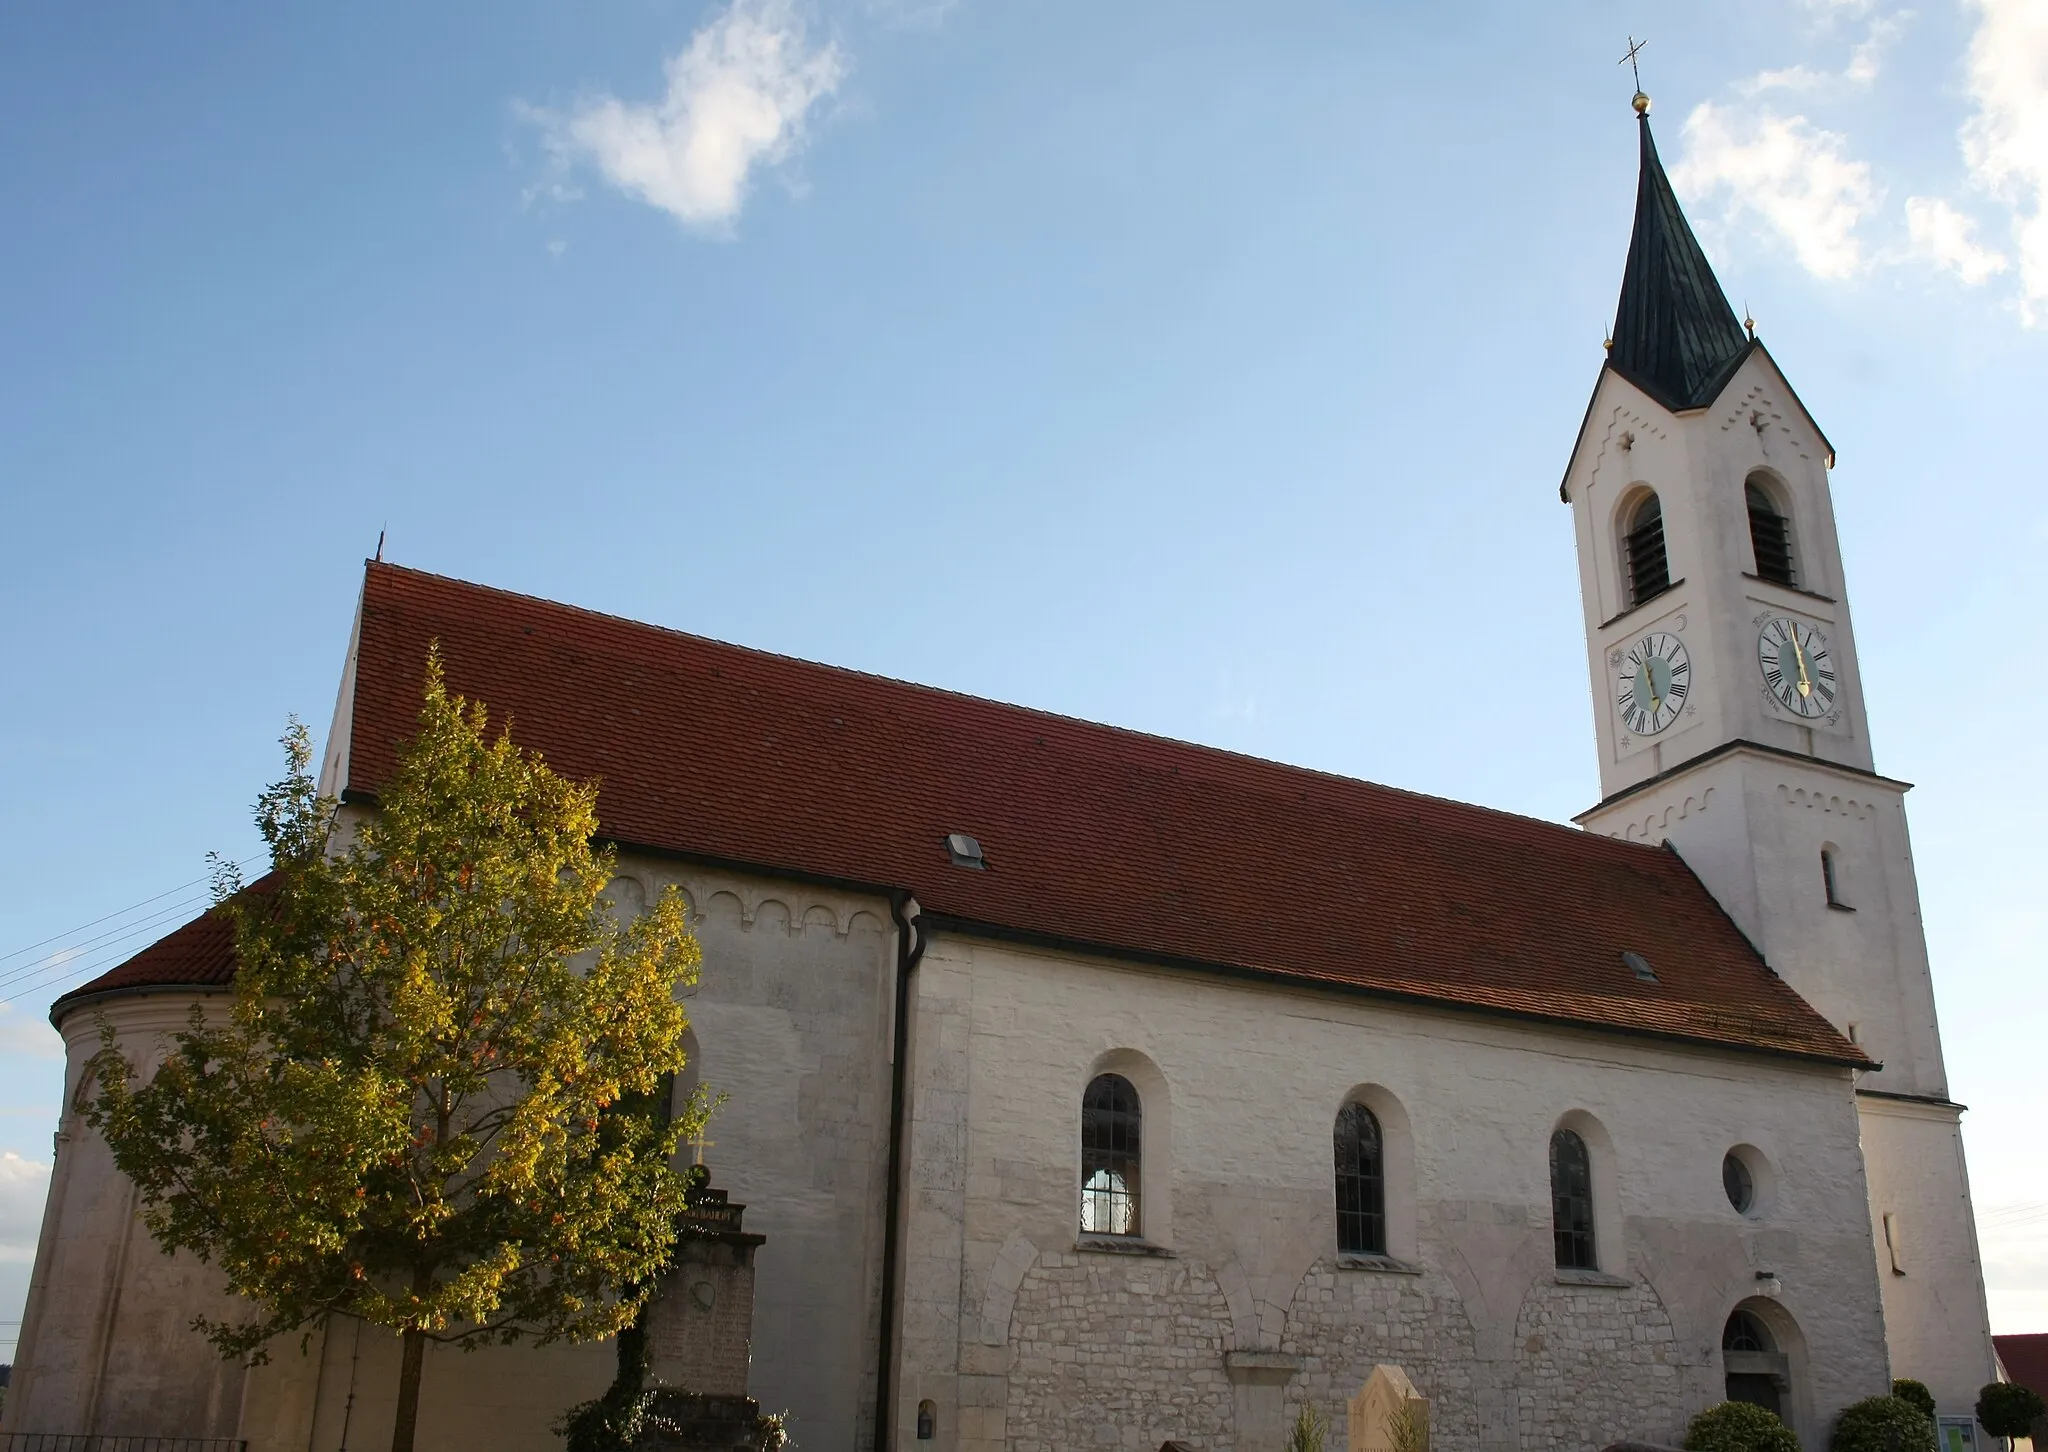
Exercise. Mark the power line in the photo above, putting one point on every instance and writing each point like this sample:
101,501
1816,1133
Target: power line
123,912
82,955
71,953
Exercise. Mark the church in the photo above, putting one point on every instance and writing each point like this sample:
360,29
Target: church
1094,1089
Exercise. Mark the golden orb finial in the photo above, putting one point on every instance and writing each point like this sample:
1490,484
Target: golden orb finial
1642,103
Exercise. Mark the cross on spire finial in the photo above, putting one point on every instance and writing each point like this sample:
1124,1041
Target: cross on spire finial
1642,100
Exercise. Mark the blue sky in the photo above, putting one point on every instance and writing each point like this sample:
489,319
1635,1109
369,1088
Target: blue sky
1202,368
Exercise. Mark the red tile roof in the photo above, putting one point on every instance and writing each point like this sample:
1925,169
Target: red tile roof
1095,837
201,954
2026,1359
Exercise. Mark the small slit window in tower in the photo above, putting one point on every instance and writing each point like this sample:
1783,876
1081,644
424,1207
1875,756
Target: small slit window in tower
1640,966
964,851
1643,553
1770,535
1828,879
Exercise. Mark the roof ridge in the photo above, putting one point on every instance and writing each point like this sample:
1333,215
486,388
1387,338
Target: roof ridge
1130,733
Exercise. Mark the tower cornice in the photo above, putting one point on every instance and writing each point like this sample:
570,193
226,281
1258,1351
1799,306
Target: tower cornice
1739,746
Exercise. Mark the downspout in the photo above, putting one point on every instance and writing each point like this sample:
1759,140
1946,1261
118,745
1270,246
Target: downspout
909,949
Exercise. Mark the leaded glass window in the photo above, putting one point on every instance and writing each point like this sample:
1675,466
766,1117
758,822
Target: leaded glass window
1571,1201
1361,1182
1111,1121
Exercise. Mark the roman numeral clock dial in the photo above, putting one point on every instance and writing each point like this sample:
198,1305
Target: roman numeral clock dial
1798,671
1652,677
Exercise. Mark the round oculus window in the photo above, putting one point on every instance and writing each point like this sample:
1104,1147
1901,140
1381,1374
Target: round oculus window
1738,1182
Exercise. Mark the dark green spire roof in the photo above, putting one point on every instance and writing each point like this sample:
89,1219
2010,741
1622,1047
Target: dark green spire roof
1674,333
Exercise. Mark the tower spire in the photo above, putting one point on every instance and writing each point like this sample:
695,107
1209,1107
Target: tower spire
1674,333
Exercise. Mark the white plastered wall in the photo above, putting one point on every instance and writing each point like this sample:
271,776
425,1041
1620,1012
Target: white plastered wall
792,1019
1026,1339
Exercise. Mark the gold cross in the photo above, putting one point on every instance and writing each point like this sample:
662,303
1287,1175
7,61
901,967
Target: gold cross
700,1144
1629,60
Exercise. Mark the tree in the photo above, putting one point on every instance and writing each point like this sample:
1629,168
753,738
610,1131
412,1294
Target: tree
1739,1427
2008,1409
438,1100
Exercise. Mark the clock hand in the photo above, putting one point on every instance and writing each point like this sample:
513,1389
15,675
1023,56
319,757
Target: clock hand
1799,654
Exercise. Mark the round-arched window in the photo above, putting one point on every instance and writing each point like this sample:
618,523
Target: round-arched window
1644,559
1770,535
1112,1122
1361,1182
1745,1333
1571,1202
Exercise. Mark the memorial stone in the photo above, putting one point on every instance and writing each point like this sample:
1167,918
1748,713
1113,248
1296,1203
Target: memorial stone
1388,1414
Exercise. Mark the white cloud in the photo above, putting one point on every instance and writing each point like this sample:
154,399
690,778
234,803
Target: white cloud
1791,78
31,1036
1864,60
2006,142
1864,66
24,1186
737,98
1784,174
1942,235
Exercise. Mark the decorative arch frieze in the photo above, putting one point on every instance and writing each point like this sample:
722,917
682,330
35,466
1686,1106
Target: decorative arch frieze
1829,802
769,912
1648,828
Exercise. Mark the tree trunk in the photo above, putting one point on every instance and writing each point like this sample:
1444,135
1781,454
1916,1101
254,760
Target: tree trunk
409,1366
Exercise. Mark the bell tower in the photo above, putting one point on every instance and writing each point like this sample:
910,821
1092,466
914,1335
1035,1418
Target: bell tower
1729,716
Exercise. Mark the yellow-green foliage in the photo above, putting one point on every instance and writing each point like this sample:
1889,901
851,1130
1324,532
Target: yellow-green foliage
438,1101
1309,1430
1408,1428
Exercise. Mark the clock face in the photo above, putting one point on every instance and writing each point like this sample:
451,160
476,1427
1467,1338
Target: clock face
1798,671
1651,682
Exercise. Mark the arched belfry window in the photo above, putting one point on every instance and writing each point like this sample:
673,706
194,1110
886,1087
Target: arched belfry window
1571,1201
1111,1123
1770,535
1642,550
1361,1182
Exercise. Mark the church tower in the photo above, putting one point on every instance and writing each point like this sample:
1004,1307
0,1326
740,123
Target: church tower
1729,712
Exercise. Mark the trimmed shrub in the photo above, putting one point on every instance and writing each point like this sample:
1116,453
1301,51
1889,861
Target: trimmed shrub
1883,1424
1739,1427
2008,1409
1908,1390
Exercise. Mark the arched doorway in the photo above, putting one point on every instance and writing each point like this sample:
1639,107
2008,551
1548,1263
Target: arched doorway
1758,1370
